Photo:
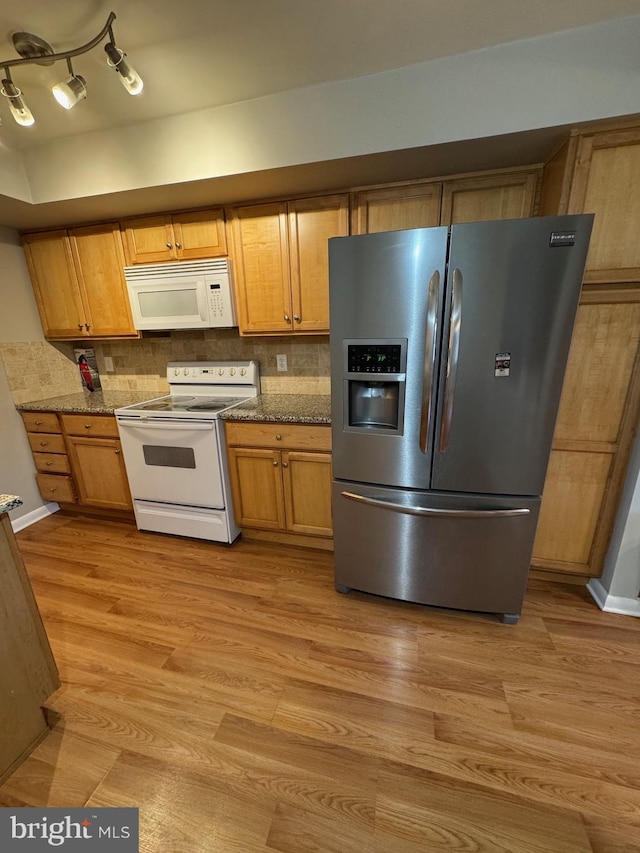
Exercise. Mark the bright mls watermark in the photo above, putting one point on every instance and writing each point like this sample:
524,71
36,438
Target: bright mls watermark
80,830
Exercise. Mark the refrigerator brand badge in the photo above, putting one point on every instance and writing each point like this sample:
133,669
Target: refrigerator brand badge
503,364
562,238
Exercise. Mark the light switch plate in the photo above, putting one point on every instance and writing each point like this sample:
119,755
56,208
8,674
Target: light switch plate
281,362
108,364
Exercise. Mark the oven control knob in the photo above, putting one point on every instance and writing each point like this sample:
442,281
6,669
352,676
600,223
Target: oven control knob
243,371
186,371
176,371
232,371
221,371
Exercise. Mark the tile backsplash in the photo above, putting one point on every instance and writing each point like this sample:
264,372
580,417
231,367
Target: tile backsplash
38,370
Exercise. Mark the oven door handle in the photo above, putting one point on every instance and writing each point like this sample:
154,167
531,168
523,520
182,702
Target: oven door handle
165,423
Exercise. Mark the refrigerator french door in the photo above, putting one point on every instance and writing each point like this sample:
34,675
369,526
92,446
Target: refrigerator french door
448,352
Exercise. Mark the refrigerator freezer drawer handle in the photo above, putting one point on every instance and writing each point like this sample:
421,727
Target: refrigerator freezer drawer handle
452,358
433,511
428,371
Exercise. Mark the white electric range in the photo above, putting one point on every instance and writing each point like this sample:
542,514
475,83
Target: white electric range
174,449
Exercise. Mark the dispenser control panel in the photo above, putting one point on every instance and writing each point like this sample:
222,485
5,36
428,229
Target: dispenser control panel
374,358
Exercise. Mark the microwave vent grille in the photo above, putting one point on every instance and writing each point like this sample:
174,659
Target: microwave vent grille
177,269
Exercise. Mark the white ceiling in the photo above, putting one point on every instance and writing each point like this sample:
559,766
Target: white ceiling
194,54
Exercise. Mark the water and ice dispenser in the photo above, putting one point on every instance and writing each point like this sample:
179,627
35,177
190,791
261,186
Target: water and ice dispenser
374,385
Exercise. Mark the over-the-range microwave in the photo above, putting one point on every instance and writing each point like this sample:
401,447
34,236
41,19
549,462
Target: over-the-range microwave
181,295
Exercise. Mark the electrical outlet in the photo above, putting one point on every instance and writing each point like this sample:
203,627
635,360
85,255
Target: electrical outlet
108,364
281,362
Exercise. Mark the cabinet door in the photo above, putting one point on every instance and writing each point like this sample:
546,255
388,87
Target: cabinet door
397,208
506,196
261,255
149,240
199,234
55,284
99,261
593,435
606,181
307,488
99,472
256,486
311,223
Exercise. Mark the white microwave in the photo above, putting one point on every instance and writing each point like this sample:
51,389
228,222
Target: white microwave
181,295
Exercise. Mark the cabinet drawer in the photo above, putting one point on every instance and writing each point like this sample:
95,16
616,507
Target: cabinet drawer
41,421
278,435
49,443
101,425
52,463
55,487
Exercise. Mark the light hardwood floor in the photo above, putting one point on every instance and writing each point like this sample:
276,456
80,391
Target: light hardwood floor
245,706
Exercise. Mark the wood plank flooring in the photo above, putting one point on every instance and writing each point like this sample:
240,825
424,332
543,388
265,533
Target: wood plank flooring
243,705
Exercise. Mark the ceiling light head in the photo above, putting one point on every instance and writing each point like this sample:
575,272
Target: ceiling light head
129,77
70,92
33,48
19,110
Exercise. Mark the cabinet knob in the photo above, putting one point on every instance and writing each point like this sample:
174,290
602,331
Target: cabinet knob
38,423
287,318
275,463
80,327
296,317
43,443
87,326
116,452
53,488
168,245
285,464
87,426
178,245
48,462
278,438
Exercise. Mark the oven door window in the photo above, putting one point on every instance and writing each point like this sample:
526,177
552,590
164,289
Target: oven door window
173,462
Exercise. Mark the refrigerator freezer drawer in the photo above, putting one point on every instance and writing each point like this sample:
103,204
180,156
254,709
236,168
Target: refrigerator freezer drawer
468,552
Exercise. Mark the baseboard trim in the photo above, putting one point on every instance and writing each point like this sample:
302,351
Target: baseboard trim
36,515
612,603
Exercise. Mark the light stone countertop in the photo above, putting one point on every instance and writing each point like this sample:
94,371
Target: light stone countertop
8,502
85,402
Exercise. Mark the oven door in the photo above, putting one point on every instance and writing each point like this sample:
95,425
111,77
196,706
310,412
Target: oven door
173,461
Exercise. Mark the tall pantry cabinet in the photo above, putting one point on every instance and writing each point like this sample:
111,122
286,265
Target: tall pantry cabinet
595,172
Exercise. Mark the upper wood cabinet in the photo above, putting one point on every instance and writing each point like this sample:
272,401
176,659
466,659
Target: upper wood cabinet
507,195
280,253
499,195
396,208
78,281
185,236
606,182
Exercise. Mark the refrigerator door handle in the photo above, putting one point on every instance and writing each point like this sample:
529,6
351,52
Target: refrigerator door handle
434,511
452,358
428,370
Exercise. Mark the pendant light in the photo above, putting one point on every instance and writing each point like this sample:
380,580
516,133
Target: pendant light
19,110
69,92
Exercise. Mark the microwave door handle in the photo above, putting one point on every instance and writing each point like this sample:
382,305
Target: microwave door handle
428,369
455,319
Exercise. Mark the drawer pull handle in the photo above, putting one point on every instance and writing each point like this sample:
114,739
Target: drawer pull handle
278,438
116,452
285,464
275,463
53,488
43,443
297,318
87,426
168,245
178,245
38,423
287,318
48,462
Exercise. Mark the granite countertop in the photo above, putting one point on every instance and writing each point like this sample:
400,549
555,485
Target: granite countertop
274,408
277,408
83,402
8,502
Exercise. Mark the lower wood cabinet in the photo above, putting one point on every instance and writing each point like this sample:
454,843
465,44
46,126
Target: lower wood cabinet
281,479
78,459
96,461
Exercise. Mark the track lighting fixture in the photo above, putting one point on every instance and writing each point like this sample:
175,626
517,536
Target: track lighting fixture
69,92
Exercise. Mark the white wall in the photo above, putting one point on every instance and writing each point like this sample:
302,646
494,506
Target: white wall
21,323
565,78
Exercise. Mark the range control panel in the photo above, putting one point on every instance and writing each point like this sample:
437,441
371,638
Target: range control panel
213,372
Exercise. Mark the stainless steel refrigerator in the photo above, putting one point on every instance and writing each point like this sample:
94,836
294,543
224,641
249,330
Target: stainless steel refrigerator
448,352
